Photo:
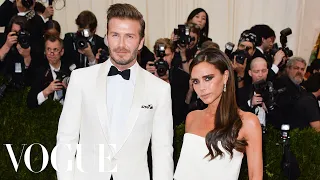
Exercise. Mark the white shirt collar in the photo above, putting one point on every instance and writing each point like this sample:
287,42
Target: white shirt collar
260,50
53,69
133,70
23,13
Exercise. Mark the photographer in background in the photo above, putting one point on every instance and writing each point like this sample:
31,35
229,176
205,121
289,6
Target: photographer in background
35,25
242,55
81,47
15,53
185,39
265,40
247,98
294,107
51,81
179,80
200,17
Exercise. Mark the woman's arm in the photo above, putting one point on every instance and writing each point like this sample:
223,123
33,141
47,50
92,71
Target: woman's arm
252,132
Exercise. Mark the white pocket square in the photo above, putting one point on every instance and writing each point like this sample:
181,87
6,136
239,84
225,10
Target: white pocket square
149,106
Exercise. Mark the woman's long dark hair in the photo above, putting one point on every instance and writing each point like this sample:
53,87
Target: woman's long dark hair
205,30
227,122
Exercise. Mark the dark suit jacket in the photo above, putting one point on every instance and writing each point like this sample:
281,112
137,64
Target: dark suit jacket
7,10
287,102
42,81
36,27
8,69
243,95
145,55
71,54
179,81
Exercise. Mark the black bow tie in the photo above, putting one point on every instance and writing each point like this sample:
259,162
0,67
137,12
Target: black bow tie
114,71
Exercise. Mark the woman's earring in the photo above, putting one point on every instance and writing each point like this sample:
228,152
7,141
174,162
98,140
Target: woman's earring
224,87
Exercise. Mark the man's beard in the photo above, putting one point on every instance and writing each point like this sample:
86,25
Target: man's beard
122,61
294,79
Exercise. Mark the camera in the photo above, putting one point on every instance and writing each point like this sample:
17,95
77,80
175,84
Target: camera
283,40
229,48
161,65
81,39
23,38
241,55
183,31
268,93
62,77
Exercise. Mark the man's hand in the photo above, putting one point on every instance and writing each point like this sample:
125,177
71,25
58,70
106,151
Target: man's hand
25,53
98,54
48,12
239,68
150,67
182,50
256,100
88,52
278,57
11,39
55,85
174,37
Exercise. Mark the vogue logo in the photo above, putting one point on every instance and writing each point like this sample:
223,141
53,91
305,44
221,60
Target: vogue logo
65,163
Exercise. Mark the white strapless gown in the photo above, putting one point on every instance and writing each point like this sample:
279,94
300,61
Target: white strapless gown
193,166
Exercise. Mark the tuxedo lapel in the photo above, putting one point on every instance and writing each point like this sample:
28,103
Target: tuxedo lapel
101,98
136,105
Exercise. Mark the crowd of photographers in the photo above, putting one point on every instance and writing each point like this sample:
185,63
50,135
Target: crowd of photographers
270,82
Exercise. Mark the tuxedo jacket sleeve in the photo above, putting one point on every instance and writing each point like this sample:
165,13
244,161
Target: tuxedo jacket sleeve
69,134
162,137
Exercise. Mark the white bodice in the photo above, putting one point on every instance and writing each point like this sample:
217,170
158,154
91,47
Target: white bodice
193,166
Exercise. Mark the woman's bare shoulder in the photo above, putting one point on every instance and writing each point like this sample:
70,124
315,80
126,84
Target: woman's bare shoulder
191,117
250,122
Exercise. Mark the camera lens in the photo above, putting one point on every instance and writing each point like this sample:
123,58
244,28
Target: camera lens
162,67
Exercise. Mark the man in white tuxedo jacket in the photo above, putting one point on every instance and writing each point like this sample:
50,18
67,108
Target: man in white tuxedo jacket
112,110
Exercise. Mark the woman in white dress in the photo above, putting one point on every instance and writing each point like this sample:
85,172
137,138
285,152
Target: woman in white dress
217,136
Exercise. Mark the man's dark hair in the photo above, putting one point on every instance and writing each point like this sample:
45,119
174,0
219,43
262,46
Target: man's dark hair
262,31
86,19
39,7
53,38
126,11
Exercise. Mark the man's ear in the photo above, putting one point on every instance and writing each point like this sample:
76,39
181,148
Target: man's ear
141,44
250,73
62,52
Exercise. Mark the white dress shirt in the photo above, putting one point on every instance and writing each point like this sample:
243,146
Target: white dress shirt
274,68
41,97
260,112
119,101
